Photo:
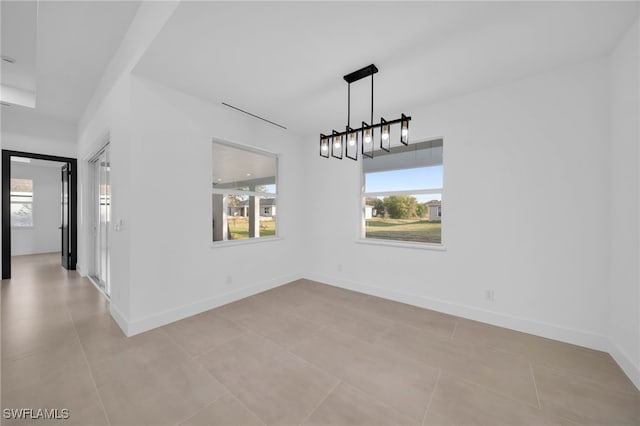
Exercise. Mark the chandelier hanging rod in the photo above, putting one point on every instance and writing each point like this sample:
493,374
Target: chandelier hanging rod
367,71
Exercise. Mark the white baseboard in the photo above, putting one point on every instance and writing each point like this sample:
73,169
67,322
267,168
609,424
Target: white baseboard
538,328
120,319
141,325
631,369
34,252
80,270
525,325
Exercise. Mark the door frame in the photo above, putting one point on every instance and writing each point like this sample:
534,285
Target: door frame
94,192
6,205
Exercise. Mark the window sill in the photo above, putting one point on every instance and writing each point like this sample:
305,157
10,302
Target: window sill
247,241
403,244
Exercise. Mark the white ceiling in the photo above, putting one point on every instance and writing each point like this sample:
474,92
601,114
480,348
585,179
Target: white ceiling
285,61
236,167
19,23
34,162
75,41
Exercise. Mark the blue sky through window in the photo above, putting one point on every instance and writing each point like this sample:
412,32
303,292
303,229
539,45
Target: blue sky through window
405,179
269,188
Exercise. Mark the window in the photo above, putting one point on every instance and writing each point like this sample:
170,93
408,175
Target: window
244,193
402,194
21,203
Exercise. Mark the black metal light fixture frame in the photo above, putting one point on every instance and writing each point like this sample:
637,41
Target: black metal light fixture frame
351,151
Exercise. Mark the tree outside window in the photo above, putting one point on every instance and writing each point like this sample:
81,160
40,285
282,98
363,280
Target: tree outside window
21,203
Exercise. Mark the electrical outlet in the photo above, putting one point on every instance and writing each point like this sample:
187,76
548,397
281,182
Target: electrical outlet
489,295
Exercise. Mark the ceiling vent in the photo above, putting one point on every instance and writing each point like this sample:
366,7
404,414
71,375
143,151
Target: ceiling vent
253,115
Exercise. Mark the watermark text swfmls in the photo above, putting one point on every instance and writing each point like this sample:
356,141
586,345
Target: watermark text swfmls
36,413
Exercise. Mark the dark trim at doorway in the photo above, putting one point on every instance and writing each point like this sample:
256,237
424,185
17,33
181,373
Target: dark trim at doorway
6,206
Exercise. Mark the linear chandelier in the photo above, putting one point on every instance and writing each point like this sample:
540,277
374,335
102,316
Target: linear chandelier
334,144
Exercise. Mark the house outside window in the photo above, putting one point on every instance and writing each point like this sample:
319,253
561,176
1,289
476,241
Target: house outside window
244,193
21,196
402,194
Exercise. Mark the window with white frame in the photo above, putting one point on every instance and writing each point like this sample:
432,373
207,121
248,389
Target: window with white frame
402,193
21,195
244,193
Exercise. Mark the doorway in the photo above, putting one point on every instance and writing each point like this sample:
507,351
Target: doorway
68,208
100,210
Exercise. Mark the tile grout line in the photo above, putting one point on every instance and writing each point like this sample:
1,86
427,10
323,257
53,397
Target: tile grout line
179,422
356,386
172,340
535,385
557,367
312,364
86,360
384,332
363,390
490,389
455,327
308,416
430,333
243,404
435,387
182,349
287,349
580,376
227,390
345,381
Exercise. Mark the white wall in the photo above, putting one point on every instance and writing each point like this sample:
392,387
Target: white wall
44,237
29,132
174,270
110,122
624,303
106,119
162,265
535,142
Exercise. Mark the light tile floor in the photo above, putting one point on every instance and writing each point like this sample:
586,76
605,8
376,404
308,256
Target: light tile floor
303,353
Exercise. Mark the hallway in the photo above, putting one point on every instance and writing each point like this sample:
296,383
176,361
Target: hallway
45,309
